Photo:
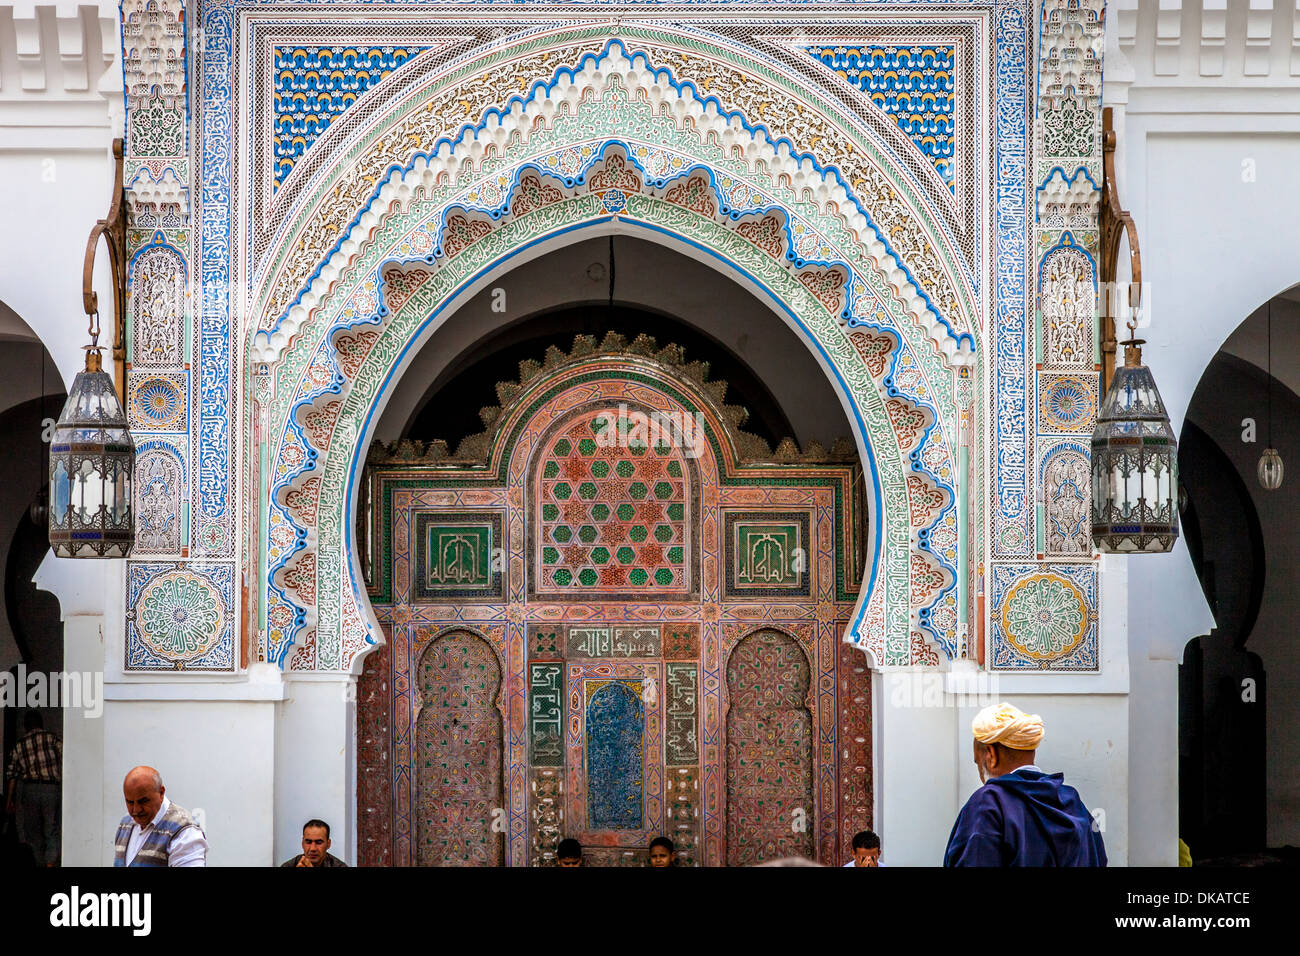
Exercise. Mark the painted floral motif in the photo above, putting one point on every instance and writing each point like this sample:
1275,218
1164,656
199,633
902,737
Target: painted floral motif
158,482
926,579
924,500
180,616
319,424
908,421
875,350
303,500
766,233
304,655
400,284
827,285
922,652
1066,490
301,577
157,284
157,403
695,194
462,231
212,537
617,174
319,373
532,194
1045,616
353,347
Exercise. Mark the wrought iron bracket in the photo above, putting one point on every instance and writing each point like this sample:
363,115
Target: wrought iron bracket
113,230
1116,225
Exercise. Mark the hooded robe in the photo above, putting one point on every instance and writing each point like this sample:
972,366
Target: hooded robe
1025,818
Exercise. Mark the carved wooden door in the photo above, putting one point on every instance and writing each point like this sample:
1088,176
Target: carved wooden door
769,751
458,737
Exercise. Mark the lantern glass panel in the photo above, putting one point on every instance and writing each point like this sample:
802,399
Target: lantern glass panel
121,505
62,493
92,460
90,488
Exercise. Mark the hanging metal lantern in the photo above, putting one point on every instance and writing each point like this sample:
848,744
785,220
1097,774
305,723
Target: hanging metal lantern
92,456
1270,470
1134,464
1134,453
92,465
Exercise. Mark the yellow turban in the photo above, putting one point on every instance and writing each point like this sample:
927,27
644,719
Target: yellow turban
1007,725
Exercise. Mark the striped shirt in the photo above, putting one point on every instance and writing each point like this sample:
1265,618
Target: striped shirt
37,758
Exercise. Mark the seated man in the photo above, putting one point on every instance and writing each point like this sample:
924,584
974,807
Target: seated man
661,851
568,853
315,844
866,849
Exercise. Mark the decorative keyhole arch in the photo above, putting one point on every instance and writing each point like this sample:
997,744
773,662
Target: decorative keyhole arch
612,143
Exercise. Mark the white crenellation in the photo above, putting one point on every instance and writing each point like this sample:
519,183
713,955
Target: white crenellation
1259,34
1180,42
1214,36
61,46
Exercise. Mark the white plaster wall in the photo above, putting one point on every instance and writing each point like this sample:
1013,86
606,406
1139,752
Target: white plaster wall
916,768
1087,739
56,166
214,755
925,771
315,768
84,809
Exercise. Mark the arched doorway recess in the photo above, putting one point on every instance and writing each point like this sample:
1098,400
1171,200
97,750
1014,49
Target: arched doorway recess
718,186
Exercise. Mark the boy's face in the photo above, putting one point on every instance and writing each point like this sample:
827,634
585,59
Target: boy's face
568,861
865,857
659,856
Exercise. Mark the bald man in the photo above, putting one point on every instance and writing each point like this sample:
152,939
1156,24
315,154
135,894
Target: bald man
1020,816
155,831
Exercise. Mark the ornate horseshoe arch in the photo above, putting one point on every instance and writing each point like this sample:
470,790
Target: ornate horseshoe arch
632,134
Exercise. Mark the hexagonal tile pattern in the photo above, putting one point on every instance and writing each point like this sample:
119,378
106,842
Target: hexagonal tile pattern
612,509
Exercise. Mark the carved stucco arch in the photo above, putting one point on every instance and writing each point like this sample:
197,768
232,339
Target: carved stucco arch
733,196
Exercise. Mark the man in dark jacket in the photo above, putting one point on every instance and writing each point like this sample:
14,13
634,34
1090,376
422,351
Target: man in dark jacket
1021,816
315,847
